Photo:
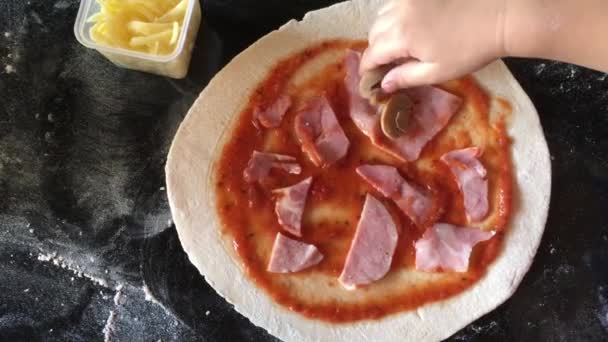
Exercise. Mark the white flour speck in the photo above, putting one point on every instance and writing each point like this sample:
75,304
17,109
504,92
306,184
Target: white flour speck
109,327
573,71
148,295
9,69
119,297
31,231
207,313
62,4
7,34
26,290
162,188
36,18
602,312
540,68
552,250
170,222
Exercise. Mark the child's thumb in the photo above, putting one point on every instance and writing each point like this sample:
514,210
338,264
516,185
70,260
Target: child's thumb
410,74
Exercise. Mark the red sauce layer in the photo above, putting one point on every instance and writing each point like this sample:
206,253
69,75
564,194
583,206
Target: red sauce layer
247,210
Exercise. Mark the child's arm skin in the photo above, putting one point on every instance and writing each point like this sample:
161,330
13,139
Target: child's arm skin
439,40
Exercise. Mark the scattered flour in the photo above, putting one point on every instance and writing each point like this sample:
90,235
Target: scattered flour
58,260
207,313
36,18
61,4
109,327
540,68
148,294
119,298
602,312
9,69
7,34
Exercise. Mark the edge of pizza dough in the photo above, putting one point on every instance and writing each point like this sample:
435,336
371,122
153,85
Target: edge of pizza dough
191,196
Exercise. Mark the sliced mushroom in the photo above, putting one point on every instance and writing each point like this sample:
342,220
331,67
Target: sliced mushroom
396,114
370,84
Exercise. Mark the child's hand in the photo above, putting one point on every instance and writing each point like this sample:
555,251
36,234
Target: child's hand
434,40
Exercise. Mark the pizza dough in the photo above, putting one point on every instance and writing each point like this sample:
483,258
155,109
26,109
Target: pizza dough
207,125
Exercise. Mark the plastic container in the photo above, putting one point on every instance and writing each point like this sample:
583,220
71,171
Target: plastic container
173,65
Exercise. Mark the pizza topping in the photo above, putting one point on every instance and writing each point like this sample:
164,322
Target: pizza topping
471,178
261,163
271,116
371,251
361,112
319,132
396,113
447,247
413,200
290,205
369,85
289,255
431,111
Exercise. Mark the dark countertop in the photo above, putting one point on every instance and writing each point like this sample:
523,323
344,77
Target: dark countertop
87,247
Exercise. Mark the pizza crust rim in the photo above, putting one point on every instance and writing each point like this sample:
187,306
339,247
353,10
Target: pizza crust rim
191,196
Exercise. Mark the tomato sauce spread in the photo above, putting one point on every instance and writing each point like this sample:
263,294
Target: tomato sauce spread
336,197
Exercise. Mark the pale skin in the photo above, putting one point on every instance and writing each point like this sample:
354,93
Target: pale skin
432,41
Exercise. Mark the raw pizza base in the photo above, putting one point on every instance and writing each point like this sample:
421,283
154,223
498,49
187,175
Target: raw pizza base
207,125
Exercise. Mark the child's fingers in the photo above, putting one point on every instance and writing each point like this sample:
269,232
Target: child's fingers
384,52
410,74
381,26
386,8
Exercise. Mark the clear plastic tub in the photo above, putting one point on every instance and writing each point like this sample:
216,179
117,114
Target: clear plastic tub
173,65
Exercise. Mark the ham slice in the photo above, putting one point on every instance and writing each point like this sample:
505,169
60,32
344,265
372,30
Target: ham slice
471,178
363,114
447,247
272,116
290,205
433,108
289,255
416,202
261,163
371,251
319,132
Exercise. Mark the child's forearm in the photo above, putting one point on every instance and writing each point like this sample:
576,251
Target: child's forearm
566,30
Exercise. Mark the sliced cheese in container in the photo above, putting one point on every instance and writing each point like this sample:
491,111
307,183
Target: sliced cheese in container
155,36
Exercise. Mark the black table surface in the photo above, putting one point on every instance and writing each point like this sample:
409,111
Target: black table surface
87,247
